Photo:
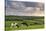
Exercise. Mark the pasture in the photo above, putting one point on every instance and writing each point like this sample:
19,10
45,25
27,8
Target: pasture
24,22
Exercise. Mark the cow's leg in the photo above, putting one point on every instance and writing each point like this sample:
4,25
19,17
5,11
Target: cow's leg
12,25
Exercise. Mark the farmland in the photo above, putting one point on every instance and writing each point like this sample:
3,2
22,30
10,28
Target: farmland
33,22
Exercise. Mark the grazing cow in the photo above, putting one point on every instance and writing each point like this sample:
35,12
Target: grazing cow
13,24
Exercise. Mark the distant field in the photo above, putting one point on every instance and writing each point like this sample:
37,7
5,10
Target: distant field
33,22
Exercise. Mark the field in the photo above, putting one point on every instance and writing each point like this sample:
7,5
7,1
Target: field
30,22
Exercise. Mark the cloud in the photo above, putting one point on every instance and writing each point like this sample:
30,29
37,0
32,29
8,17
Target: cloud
20,9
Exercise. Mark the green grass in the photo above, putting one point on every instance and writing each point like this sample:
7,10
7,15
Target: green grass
22,28
36,22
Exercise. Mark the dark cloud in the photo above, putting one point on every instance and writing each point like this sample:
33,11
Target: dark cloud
24,8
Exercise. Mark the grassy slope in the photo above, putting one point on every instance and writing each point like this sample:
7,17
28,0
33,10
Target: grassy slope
34,19
24,27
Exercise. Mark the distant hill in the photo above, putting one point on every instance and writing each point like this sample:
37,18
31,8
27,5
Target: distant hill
23,17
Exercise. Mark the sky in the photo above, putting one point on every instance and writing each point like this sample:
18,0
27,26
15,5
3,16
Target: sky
30,0
14,8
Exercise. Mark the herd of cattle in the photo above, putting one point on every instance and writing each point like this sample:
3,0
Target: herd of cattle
18,25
